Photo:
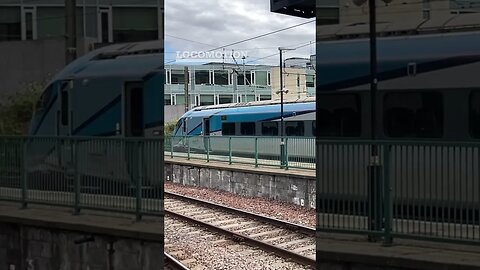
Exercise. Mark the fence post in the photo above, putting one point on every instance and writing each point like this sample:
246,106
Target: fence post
24,174
256,151
138,204
286,153
375,190
208,148
387,201
230,150
76,179
188,147
171,146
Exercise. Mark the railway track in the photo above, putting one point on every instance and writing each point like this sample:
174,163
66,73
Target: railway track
287,240
170,263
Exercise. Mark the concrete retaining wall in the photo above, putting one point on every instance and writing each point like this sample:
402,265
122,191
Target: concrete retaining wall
30,248
241,180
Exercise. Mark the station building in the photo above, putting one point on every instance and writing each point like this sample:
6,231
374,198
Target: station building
220,83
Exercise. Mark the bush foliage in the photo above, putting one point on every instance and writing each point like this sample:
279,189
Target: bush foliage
16,111
169,127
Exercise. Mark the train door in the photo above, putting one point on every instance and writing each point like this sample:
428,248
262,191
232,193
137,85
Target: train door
63,122
206,132
133,122
133,110
206,127
63,112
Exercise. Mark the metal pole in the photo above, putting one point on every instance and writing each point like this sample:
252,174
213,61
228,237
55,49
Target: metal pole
187,97
375,205
235,86
373,67
71,30
84,14
282,143
24,174
244,79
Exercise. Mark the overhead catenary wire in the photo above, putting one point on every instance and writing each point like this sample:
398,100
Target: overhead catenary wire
256,37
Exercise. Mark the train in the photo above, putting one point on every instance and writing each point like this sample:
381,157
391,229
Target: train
101,104
245,121
426,125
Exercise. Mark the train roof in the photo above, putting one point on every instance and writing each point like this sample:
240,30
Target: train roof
253,104
345,64
120,59
444,24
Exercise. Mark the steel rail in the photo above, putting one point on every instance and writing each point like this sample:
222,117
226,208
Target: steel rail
171,263
243,238
273,221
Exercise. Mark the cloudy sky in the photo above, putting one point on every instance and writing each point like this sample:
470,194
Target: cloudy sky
202,25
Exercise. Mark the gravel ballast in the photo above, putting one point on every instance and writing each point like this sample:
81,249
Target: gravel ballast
200,249
268,207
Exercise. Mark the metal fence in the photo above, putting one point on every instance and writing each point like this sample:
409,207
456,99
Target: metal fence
111,174
291,152
419,190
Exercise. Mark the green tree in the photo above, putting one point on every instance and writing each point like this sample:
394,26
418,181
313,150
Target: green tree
17,110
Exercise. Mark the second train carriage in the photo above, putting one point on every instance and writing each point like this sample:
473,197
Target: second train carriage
428,93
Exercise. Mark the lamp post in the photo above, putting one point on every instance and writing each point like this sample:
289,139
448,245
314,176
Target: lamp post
282,142
244,79
376,217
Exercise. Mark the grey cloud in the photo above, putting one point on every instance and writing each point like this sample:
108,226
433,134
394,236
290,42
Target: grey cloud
219,22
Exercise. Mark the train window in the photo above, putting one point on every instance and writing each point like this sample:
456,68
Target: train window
474,114
247,128
44,100
417,115
228,128
338,115
64,101
294,128
270,128
179,124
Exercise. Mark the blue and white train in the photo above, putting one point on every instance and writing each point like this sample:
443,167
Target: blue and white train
246,121
428,90
115,91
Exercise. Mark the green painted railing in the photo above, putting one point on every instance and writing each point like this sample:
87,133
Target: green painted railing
109,174
383,189
298,152
420,190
